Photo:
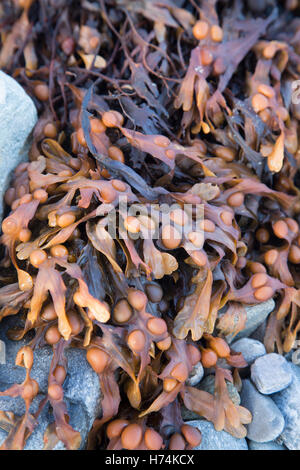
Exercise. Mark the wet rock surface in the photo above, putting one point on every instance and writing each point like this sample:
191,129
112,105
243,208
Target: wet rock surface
288,401
81,388
18,116
267,420
217,440
272,445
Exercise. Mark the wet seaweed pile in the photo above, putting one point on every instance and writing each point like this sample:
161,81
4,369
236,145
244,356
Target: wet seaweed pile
178,104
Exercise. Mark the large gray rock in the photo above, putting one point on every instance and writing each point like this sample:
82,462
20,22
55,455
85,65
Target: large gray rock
216,440
256,314
250,348
271,373
267,421
18,116
81,387
288,401
272,445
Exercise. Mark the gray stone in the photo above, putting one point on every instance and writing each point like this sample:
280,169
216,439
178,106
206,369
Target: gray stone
196,375
216,440
17,406
18,116
288,401
272,445
271,373
81,388
250,348
208,385
267,421
256,314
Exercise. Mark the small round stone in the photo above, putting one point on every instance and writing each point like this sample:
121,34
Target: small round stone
271,373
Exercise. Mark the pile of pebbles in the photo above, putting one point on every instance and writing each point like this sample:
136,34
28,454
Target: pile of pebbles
270,391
